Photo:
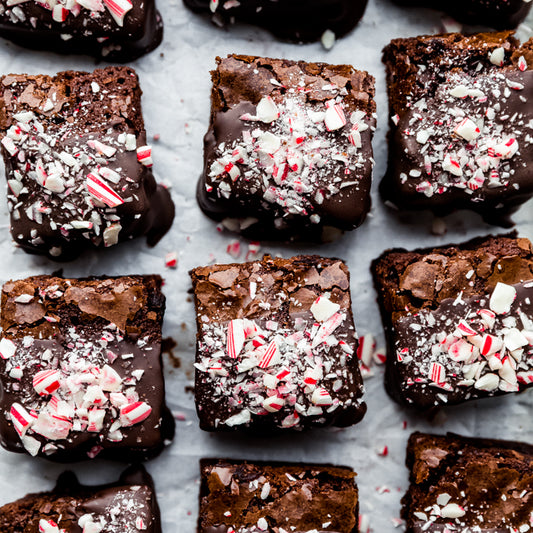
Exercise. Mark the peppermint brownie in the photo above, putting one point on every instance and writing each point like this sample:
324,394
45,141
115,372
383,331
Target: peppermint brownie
80,368
292,20
115,30
127,506
77,163
251,497
460,127
468,484
275,345
288,152
458,320
498,14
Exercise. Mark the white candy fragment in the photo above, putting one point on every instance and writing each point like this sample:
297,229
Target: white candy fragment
240,418
267,110
452,510
497,56
502,298
323,308
328,39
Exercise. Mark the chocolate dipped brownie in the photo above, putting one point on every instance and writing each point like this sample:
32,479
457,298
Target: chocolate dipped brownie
275,345
288,152
126,506
458,320
246,497
460,126
497,14
470,485
80,368
114,30
78,166
292,20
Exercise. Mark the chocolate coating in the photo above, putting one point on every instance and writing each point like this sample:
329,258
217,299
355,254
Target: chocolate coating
292,497
53,211
424,295
273,301
93,33
441,88
483,485
315,183
497,14
119,505
292,20
102,337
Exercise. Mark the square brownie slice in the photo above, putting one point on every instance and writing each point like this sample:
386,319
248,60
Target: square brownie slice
242,496
77,163
115,30
288,152
81,370
128,505
296,20
276,345
460,127
458,320
468,484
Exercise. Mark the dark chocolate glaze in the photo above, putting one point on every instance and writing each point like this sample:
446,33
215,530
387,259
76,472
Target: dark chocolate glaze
340,211
447,315
133,495
497,14
292,20
222,294
301,497
492,480
101,36
138,296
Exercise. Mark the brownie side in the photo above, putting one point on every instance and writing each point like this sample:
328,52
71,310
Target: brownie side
81,368
297,20
269,355
424,294
128,505
482,485
99,32
492,13
459,134
288,152
73,146
255,496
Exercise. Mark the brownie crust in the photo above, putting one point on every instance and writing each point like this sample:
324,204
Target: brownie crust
472,484
277,163
240,496
267,357
81,368
438,310
97,33
459,133
128,505
291,20
73,147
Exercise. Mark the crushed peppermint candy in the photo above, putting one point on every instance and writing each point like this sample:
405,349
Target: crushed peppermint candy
472,134
294,154
468,347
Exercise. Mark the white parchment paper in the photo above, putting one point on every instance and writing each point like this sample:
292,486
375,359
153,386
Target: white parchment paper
176,84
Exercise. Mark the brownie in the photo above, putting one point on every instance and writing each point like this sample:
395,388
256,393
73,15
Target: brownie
275,345
460,135
468,484
77,165
241,496
292,20
127,506
498,14
458,320
288,151
114,30
81,370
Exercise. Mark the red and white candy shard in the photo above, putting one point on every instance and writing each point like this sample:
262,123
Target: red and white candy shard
118,9
236,337
46,382
323,308
48,526
134,413
101,191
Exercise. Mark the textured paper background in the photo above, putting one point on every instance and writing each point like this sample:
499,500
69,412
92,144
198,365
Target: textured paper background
176,83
